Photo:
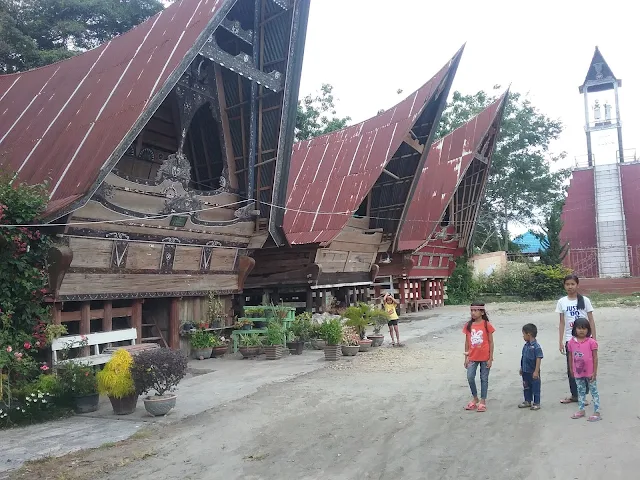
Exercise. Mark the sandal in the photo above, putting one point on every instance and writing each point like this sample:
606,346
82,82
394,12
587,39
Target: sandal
471,406
535,407
594,418
569,400
524,405
577,415
482,407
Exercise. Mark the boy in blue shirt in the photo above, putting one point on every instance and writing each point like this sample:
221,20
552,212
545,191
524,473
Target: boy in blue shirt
530,367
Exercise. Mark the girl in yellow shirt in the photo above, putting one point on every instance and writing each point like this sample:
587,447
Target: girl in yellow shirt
389,304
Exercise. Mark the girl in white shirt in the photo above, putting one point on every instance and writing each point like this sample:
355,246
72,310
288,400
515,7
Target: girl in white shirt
570,308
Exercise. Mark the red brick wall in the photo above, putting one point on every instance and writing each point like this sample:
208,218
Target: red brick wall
630,180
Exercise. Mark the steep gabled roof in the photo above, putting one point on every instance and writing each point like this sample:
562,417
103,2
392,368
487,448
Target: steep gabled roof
70,122
332,174
446,165
599,77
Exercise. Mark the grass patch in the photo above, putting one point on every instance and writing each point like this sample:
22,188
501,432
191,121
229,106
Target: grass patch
614,299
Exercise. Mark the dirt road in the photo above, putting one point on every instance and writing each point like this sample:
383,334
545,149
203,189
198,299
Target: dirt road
397,414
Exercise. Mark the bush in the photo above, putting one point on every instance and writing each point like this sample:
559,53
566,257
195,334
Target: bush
201,339
527,281
115,379
275,333
331,331
461,287
356,318
547,282
77,380
379,318
160,369
302,327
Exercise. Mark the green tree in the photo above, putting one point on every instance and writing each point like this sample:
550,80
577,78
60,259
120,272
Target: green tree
317,115
34,33
553,250
521,184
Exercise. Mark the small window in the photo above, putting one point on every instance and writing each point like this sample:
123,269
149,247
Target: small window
362,209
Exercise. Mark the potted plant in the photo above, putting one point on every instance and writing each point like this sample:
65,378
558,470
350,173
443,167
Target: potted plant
315,332
78,381
243,324
274,340
249,345
160,370
220,346
115,381
379,318
301,330
202,343
331,332
215,310
350,341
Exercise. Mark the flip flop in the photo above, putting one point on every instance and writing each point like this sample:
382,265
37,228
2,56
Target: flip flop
594,418
471,406
577,415
568,400
524,405
535,407
482,407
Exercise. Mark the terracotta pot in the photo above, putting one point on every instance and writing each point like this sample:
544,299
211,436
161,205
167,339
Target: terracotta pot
332,352
365,345
350,350
219,352
86,403
159,405
295,348
273,352
377,340
201,353
248,352
125,405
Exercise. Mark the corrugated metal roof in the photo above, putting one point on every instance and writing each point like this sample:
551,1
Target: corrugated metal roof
68,122
332,174
446,165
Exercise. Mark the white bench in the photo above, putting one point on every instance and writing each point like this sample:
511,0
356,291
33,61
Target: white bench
93,342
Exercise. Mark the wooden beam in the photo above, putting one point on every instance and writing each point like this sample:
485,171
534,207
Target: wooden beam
413,143
174,324
56,313
107,316
85,324
136,318
98,314
226,131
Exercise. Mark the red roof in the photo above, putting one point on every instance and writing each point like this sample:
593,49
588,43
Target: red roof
332,174
446,164
70,122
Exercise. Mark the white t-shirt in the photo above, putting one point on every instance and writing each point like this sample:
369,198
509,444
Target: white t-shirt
571,312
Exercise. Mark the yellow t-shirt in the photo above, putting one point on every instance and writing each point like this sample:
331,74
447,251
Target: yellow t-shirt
390,308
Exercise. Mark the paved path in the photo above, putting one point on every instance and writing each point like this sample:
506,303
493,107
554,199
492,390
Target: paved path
213,383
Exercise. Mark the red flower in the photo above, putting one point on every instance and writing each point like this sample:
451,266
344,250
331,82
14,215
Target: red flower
86,374
44,368
27,346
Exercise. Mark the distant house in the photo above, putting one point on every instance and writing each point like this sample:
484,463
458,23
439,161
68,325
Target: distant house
530,245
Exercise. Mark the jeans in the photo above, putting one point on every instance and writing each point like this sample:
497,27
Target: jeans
531,388
572,381
585,385
484,379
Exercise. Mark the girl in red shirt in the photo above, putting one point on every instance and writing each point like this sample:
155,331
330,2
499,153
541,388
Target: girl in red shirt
478,351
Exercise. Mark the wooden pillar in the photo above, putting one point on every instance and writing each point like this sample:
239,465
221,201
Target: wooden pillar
107,318
309,306
56,312
174,324
354,295
440,293
318,301
419,289
85,324
403,299
136,318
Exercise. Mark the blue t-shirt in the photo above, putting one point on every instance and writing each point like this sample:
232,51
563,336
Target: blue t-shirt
530,352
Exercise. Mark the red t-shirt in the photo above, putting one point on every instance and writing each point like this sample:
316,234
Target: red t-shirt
478,337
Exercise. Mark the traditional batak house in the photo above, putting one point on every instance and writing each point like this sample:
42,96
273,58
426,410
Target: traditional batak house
164,149
346,201
442,215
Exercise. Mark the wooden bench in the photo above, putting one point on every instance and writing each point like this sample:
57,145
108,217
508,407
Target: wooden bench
93,341
425,302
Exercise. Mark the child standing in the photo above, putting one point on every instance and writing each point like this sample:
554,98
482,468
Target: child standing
570,308
478,351
582,351
530,367
390,307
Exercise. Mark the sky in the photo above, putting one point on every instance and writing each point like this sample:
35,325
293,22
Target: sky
368,49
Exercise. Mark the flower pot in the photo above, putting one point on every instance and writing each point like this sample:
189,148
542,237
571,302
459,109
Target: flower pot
350,350
273,352
202,353
218,352
332,352
295,348
246,327
125,405
248,352
159,405
86,403
377,340
318,344
365,345
259,324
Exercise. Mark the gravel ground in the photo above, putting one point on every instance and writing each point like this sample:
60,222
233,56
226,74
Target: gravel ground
396,413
